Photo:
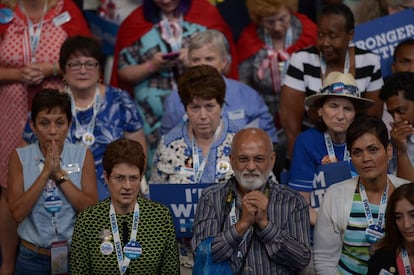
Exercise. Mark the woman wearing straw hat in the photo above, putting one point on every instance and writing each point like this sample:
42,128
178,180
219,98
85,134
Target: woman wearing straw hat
332,110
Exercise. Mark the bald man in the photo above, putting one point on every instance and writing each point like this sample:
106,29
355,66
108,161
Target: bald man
257,225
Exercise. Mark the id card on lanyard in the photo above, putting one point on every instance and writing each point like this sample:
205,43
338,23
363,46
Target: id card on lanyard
58,248
374,231
35,31
86,136
132,249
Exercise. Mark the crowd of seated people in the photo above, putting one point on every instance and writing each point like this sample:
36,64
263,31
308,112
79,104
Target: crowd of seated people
278,106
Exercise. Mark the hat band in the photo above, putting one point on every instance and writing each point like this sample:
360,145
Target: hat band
340,88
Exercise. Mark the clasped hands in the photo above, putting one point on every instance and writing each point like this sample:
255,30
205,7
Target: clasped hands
254,211
32,74
52,162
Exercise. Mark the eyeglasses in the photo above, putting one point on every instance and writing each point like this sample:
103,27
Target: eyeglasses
121,179
340,88
89,66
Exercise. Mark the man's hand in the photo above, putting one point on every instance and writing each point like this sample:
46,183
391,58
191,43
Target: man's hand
259,201
399,133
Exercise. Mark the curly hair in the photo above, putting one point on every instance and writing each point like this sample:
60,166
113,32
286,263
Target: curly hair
262,8
201,81
123,150
401,82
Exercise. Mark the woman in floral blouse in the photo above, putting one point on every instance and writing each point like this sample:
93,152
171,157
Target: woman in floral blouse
197,151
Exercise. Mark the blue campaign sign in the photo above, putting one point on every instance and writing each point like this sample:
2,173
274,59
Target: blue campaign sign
182,201
326,175
383,34
104,29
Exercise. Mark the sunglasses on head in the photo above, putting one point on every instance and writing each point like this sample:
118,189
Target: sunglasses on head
340,88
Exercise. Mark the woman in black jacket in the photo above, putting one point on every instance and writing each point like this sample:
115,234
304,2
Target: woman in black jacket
394,254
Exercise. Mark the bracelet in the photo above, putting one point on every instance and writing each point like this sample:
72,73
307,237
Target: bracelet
54,69
62,179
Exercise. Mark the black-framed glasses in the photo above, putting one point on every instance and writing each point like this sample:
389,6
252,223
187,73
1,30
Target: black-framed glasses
340,88
89,66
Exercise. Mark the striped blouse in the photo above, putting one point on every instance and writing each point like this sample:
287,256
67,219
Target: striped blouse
355,250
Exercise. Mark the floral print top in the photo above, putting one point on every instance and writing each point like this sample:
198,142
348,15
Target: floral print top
173,161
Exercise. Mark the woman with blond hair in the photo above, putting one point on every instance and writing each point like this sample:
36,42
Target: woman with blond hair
264,47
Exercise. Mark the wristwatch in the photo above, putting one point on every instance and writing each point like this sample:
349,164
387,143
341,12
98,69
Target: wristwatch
62,179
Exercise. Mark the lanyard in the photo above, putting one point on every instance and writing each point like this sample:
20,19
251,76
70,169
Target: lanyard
367,209
323,64
79,130
34,35
406,261
171,32
51,191
199,168
123,262
233,220
330,148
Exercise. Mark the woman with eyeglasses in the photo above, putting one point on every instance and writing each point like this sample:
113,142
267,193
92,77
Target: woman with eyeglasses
124,234
101,113
333,109
263,49
31,33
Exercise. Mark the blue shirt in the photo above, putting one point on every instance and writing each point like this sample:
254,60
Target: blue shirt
117,114
242,105
309,150
37,226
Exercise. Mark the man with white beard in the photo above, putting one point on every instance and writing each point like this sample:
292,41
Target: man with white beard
254,224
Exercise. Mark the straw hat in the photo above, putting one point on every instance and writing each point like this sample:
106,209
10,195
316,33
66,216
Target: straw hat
341,85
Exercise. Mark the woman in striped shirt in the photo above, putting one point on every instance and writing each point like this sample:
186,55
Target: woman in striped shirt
351,218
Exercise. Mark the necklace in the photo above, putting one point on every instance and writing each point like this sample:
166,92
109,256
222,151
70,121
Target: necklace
85,133
87,106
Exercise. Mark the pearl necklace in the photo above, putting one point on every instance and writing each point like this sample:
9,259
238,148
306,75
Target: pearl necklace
87,106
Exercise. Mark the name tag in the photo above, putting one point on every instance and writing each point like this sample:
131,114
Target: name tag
237,114
62,19
71,168
59,257
385,272
186,171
